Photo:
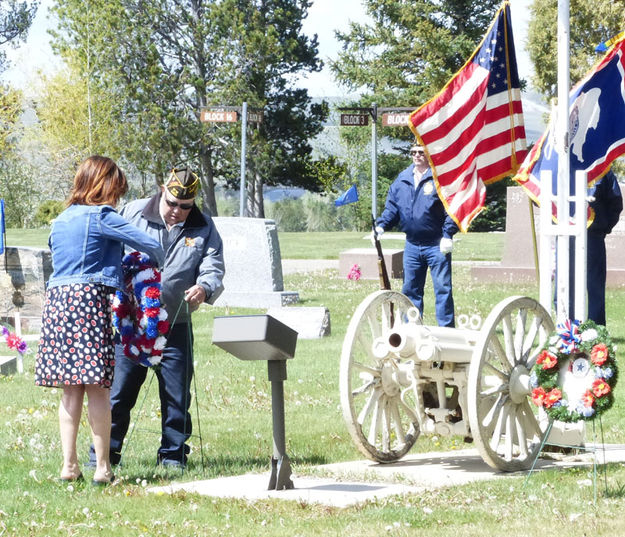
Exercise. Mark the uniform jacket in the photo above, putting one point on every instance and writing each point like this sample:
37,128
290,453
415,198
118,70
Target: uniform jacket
417,212
86,245
608,204
195,255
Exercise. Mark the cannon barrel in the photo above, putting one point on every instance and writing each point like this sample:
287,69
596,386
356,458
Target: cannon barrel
432,343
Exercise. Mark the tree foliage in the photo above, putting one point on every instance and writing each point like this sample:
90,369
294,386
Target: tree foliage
15,19
590,24
410,49
163,61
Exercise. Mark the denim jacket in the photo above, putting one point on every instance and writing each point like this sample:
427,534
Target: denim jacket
86,244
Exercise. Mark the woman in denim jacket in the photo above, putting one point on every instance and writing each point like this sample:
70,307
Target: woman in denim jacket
76,348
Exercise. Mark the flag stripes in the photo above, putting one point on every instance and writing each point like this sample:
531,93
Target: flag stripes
473,130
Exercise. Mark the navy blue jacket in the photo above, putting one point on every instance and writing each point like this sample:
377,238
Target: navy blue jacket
417,212
607,205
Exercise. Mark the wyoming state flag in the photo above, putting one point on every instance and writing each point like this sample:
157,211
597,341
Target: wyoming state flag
596,127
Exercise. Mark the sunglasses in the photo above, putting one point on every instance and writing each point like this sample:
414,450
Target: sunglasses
183,206
413,153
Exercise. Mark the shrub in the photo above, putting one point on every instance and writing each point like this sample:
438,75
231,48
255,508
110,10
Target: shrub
48,211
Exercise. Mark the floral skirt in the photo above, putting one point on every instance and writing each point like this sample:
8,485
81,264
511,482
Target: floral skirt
76,344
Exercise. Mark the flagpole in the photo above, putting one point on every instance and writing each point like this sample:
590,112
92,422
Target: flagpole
374,160
562,148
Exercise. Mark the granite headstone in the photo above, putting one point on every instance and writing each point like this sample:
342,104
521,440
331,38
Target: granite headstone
517,263
253,264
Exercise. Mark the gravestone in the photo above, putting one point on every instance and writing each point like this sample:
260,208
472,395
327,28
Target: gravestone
23,275
367,261
253,264
308,322
517,263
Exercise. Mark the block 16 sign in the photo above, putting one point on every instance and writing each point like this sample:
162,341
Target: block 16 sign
219,116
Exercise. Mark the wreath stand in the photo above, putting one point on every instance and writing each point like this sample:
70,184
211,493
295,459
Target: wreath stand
147,390
593,448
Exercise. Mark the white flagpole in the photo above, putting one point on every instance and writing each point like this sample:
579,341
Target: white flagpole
562,148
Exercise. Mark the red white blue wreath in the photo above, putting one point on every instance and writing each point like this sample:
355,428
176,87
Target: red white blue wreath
575,373
138,316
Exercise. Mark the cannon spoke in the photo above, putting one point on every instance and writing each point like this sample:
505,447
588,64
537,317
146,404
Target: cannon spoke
519,335
508,334
509,438
530,338
397,424
520,434
497,351
369,406
386,430
495,410
367,369
364,388
376,422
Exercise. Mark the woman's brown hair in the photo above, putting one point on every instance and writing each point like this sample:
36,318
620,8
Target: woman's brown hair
98,181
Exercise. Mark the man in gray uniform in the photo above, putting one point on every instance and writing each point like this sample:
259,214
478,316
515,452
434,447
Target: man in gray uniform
192,274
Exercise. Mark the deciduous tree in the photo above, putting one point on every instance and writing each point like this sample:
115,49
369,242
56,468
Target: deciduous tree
590,24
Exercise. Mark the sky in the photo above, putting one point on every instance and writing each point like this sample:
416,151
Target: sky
324,17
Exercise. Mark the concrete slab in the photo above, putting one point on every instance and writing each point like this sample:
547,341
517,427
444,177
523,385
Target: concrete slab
350,483
324,491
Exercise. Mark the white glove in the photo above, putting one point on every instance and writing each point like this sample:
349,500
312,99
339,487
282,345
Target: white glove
380,231
446,246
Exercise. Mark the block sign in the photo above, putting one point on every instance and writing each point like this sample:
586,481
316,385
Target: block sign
354,120
219,116
395,119
254,116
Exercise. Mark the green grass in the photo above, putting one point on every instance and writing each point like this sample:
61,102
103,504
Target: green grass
234,402
467,247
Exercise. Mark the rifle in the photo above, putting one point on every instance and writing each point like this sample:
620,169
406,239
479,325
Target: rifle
385,283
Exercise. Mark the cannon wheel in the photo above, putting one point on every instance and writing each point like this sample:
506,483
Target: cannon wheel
376,396
503,420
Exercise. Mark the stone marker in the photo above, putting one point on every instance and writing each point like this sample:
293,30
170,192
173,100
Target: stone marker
367,260
253,264
8,365
517,263
308,322
23,284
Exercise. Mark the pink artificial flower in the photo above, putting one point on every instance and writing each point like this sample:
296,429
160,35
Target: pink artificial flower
354,272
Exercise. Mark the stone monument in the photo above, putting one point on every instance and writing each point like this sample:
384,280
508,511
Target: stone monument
517,263
253,264
23,276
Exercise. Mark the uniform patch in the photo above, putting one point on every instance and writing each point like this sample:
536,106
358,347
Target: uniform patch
189,241
428,188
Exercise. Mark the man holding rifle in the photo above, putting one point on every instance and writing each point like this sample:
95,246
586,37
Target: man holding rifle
413,204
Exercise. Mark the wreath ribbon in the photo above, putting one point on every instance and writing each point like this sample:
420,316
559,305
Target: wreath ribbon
139,318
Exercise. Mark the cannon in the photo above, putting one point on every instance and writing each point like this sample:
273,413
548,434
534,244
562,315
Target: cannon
400,378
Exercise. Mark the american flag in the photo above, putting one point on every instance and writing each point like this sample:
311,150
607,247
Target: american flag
473,130
596,128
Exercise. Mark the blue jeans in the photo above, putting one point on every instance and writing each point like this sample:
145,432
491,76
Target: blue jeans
174,385
417,259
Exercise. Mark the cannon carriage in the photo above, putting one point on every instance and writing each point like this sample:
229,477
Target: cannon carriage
400,378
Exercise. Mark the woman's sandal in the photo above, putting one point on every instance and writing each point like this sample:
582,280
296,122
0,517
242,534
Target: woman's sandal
97,483
79,477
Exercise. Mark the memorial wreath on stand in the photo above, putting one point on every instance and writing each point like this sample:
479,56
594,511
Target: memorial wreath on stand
575,373
138,316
